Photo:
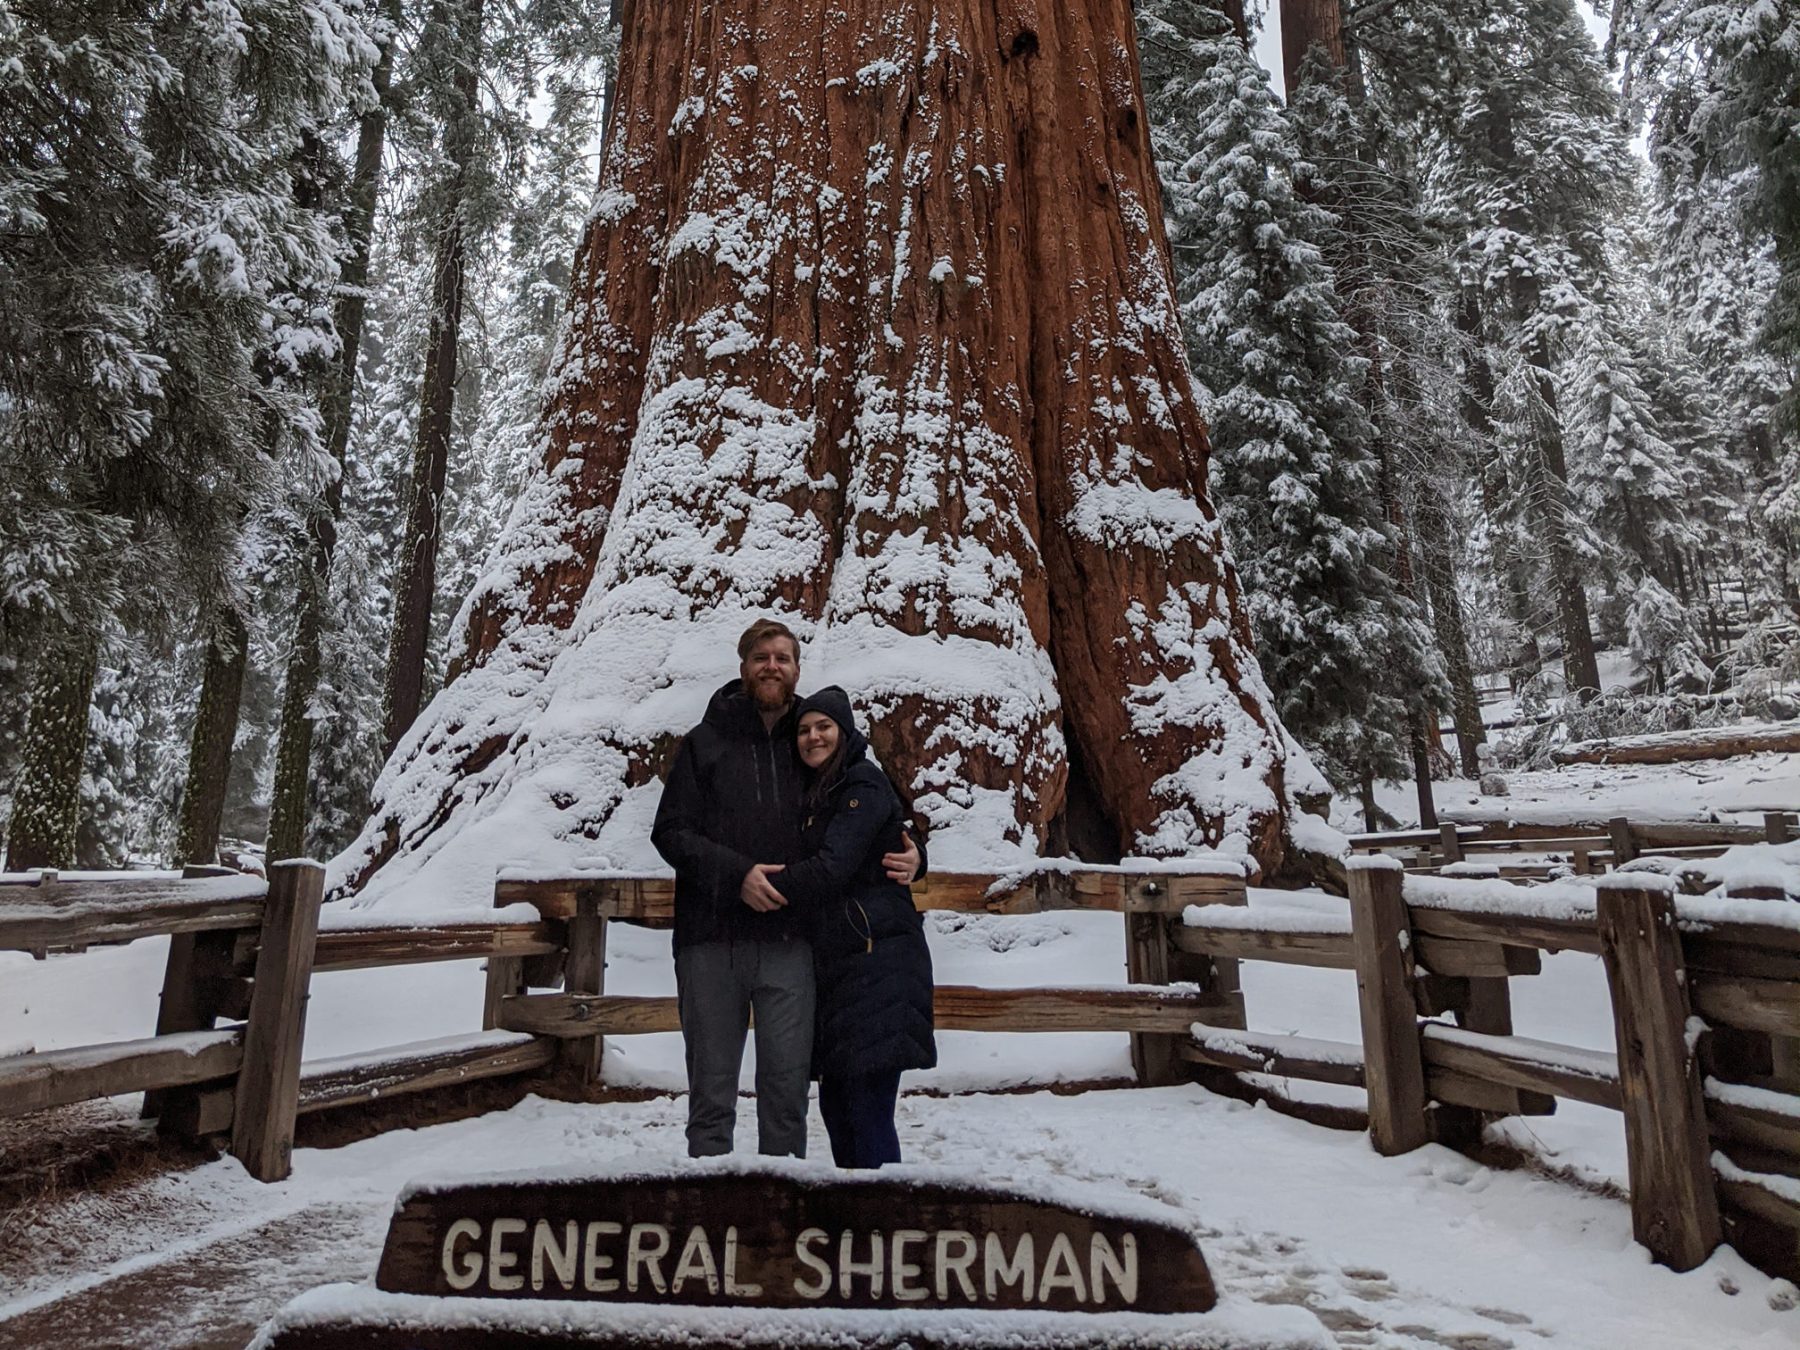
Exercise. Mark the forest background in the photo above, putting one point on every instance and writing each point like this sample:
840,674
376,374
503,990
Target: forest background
1495,307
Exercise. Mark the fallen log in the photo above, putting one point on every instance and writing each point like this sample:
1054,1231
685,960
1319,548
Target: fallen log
1677,747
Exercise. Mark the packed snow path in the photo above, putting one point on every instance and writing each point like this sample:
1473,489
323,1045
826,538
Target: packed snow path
1428,1250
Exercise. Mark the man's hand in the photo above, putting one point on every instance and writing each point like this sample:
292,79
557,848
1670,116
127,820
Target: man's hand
758,892
904,865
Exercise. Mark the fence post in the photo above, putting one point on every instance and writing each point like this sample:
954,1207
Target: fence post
585,973
196,979
1450,842
1624,846
1776,828
1674,1203
268,1086
1215,975
1393,1063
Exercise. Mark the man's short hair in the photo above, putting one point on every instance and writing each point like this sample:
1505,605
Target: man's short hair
760,632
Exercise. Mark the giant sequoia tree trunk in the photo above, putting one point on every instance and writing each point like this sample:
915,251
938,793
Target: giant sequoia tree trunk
873,329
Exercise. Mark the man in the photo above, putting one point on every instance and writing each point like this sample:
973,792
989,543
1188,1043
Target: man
730,815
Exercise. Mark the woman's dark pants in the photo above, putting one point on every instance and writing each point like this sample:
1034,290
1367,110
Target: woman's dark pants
859,1116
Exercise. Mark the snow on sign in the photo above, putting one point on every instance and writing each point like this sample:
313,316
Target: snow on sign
780,1237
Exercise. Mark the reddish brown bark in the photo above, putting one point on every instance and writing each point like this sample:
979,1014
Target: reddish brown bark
874,328
1306,24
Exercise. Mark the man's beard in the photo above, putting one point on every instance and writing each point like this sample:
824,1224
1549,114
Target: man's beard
771,695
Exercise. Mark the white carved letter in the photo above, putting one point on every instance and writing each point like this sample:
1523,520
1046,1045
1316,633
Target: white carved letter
562,1256
696,1262
500,1261
1020,1270
959,1263
593,1263
1103,1260
732,1288
905,1272
849,1266
807,1257
462,1272
641,1252
1062,1271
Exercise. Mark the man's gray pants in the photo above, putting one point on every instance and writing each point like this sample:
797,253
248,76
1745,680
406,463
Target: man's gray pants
717,984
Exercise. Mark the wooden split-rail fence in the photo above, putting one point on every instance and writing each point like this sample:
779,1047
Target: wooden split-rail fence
226,1058
1520,851
1705,1071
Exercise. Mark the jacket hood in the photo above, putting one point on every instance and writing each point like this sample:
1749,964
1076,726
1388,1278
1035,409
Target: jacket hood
835,704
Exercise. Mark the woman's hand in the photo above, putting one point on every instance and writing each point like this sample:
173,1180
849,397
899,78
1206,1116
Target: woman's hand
759,892
902,866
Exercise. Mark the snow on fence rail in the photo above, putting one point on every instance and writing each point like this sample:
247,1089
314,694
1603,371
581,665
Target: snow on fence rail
1537,850
1703,987
239,948
243,953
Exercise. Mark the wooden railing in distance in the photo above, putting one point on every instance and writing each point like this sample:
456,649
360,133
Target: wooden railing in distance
238,949
1590,846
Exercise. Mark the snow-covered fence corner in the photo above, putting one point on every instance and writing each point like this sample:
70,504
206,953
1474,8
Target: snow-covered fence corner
1696,980
238,948
1674,1205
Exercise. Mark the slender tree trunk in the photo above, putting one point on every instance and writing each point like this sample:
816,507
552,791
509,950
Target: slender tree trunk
46,807
1421,758
209,751
1240,23
416,586
1478,403
1447,624
1581,668
290,803
1366,790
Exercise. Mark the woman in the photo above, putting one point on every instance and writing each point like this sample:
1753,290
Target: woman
873,1018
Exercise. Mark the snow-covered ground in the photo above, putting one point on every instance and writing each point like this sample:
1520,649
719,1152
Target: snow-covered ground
1306,1228
1300,1214
1425,1250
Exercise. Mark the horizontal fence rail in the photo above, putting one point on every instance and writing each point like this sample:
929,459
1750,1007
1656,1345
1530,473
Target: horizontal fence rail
240,950
1705,1071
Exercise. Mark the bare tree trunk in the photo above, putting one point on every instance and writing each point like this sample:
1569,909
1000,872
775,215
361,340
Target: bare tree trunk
1240,23
1306,24
46,806
416,585
1550,495
1447,623
290,802
215,730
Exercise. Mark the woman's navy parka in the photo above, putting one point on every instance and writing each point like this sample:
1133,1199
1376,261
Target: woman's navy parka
874,969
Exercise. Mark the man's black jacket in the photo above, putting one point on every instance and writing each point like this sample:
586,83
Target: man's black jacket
732,799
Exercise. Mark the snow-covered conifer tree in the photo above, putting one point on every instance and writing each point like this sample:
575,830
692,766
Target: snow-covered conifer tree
160,293
1295,468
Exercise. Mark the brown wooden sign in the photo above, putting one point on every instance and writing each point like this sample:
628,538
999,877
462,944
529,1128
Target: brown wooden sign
789,1239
